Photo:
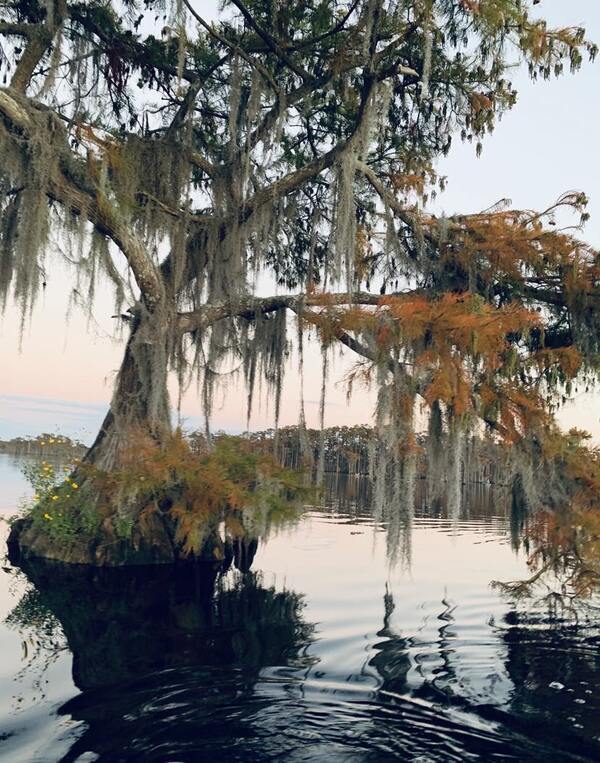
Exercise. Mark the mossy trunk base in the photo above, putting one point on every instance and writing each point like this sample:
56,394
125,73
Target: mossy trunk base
150,542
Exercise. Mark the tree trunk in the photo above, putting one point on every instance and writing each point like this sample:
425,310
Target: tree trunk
122,533
140,401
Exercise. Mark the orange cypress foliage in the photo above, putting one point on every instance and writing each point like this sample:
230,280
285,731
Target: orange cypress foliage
481,102
455,340
407,183
462,321
517,247
565,538
568,360
464,348
196,486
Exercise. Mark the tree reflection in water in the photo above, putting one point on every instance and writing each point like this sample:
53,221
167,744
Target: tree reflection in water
123,623
209,663
552,664
151,643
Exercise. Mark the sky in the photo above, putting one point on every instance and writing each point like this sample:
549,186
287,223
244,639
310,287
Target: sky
59,377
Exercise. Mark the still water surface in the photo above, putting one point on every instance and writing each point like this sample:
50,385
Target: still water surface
313,649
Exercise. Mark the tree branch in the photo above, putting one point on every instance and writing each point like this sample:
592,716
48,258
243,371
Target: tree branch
67,187
359,348
10,28
106,218
289,182
14,112
40,40
203,164
251,307
192,92
410,219
236,49
293,180
270,41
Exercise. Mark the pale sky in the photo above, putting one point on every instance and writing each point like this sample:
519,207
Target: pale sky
61,379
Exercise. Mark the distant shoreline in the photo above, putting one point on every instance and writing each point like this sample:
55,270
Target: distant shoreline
45,444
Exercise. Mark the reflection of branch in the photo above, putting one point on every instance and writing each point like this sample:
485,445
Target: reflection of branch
568,600
521,588
39,630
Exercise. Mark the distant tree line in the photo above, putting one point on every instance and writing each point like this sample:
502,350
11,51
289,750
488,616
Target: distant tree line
353,450
45,444
347,450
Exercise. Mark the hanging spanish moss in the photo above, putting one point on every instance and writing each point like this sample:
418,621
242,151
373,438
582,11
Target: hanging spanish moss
179,22
149,177
306,452
435,455
345,220
322,401
264,358
55,58
427,51
29,168
395,470
454,471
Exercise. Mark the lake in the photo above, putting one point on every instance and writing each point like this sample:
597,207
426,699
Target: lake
313,646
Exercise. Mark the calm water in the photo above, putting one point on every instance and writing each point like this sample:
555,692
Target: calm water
319,652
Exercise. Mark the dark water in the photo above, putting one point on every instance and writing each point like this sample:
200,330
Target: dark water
312,649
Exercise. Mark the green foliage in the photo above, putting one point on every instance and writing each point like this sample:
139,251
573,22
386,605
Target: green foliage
61,506
396,79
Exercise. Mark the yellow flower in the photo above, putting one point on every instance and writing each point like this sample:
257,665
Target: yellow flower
47,516
55,498
74,485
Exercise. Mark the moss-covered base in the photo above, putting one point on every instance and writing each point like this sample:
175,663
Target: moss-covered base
150,542
163,504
